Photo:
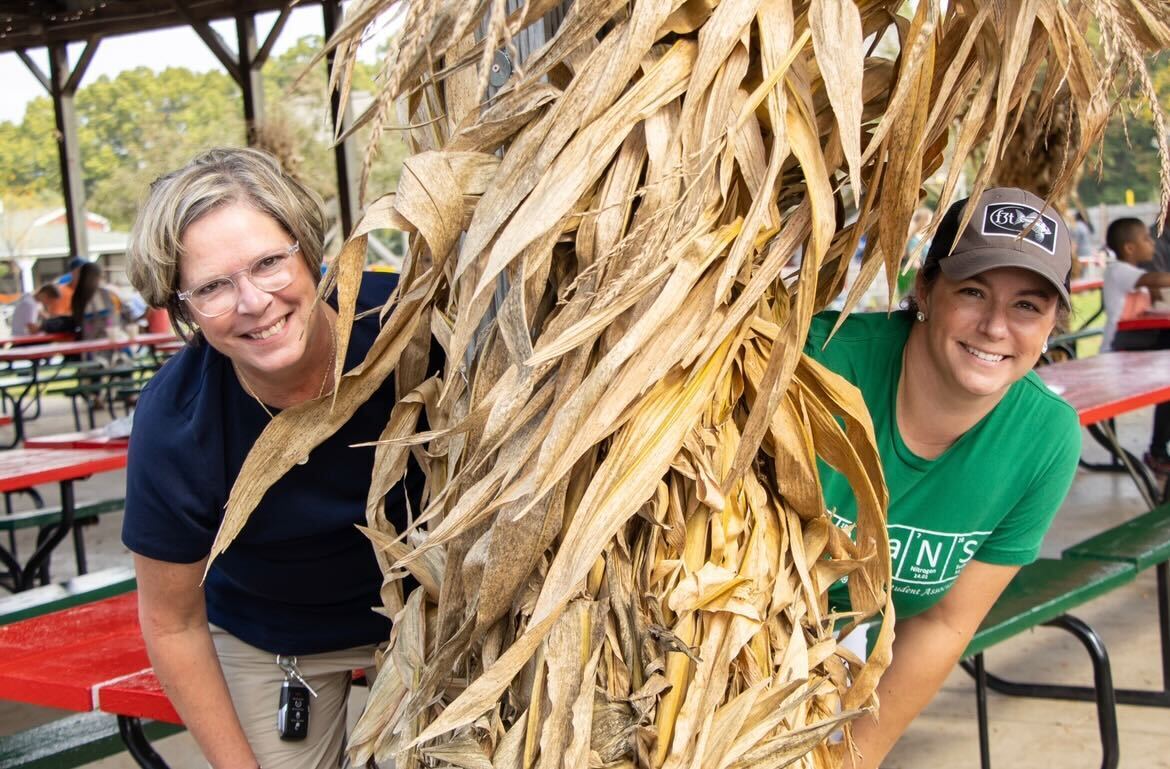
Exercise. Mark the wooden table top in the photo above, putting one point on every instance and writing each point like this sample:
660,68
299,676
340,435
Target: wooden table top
1085,284
23,339
1149,321
89,657
21,468
1110,384
86,439
45,351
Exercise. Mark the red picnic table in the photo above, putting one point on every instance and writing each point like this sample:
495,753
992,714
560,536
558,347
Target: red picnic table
85,439
19,340
1100,388
89,657
25,468
1151,320
38,354
1108,385
1085,284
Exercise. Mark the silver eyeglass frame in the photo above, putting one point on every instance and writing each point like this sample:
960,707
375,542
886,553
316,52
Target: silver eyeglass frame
185,296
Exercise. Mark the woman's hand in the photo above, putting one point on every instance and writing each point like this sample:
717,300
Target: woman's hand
173,616
926,648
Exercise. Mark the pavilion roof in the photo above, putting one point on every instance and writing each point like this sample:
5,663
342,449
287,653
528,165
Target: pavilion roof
36,23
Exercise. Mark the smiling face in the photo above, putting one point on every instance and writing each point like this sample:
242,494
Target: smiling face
265,334
984,333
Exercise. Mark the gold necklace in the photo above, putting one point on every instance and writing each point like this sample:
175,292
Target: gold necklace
320,391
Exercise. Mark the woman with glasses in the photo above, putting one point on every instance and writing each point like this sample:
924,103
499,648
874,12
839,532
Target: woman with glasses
232,248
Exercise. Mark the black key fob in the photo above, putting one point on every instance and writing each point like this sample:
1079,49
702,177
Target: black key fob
292,718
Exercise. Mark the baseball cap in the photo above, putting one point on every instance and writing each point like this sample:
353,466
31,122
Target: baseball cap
1009,228
75,262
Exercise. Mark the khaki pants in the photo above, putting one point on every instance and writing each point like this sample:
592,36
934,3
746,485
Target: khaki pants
254,682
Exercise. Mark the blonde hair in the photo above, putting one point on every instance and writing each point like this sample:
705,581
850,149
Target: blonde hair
216,178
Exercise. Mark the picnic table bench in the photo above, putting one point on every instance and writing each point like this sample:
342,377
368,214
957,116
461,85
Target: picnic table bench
38,355
75,591
1044,592
85,737
84,514
23,468
90,659
108,386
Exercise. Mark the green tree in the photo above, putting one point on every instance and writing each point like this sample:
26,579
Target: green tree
142,123
1127,158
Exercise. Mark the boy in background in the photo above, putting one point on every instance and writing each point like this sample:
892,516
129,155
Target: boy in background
1130,241
32,308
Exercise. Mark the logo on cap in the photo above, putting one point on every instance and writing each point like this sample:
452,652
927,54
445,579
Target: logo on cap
1014,219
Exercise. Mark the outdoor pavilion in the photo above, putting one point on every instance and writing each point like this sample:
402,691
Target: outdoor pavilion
54,24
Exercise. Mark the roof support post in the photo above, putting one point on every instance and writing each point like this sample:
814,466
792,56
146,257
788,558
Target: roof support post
250,80
343,152
63,84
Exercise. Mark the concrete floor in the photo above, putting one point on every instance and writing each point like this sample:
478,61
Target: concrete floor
1025,732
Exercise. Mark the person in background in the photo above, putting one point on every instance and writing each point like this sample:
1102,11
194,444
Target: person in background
1130,287
232,247
976,452
30,309
94,307
1082,236
66,283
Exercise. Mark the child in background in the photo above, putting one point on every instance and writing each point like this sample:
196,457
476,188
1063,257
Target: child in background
31,309
1128,283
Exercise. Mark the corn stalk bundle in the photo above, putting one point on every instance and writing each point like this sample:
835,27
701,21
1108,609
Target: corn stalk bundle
624,553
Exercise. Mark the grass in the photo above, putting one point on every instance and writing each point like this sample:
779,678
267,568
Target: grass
1083,306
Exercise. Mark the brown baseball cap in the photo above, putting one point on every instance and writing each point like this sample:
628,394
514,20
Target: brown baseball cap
1009,228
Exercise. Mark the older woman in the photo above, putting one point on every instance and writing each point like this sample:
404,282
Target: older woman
977,453
231,246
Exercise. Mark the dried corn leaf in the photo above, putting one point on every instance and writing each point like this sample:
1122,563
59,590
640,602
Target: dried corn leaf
624,556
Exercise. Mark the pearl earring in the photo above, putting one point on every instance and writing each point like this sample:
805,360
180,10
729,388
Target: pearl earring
1044,349
920,316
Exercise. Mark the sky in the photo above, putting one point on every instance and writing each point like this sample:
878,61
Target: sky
177,47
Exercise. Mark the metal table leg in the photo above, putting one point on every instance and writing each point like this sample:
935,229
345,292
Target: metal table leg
24,579
138,745
1145,485
1102,691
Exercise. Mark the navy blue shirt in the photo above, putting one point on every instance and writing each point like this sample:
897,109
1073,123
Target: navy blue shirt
300,578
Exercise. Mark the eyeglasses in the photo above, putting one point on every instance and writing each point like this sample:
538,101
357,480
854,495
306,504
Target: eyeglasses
220,295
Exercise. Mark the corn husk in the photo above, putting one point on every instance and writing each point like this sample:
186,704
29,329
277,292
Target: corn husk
624,552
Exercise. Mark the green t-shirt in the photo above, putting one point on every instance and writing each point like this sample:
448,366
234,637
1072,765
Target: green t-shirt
991,496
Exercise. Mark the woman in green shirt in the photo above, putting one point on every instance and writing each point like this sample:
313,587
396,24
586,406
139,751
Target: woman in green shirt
977,453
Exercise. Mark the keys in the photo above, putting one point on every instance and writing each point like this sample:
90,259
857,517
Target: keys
289,666
292,714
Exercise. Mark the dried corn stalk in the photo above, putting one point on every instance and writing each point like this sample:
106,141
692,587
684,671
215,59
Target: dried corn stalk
624,553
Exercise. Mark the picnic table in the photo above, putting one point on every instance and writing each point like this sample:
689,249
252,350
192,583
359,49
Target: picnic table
1099,388
20,340
38,354
1108,385
24,468
1150,320
87,658
85,439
